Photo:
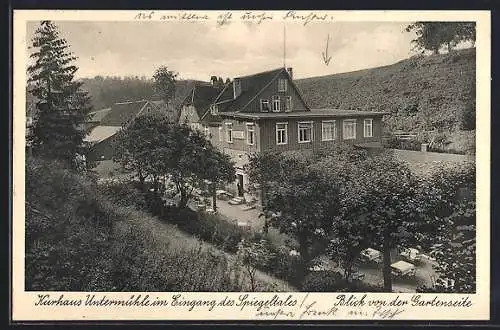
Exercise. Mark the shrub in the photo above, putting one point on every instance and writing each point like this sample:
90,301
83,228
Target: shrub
124,194
226,235
208,227
468,118
78,240
394,142
324,281
251,255
284,266
331,281
65,233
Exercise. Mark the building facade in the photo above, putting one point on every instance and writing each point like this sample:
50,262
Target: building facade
108,122
267,112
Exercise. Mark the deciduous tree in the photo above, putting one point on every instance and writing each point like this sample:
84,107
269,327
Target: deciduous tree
379,208
300,198
389,194
452,214
133,146
164,83
433,35
155,147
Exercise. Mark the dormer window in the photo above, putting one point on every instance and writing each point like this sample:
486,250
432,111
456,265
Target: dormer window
236,88
282,85
276,103
264,105
214,109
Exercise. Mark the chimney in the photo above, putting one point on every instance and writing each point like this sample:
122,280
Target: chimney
290,72
236,87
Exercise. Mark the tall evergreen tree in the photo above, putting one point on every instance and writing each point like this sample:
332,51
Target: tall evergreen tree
62,107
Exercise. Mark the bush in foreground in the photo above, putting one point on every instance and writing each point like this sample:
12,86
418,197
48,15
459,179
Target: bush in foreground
77,240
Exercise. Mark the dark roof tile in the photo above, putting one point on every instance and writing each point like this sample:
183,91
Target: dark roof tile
122,113
250,86
97,116
204,96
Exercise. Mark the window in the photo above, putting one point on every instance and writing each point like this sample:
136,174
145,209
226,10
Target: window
282,85
220,133
288,103
229,132
349,129
328,130
281,133
236,88
368,125
276,103
250,133
195,127
305,132
213,109
264,105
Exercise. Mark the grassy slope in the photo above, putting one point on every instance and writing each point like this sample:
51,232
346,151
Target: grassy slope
78,239
437,89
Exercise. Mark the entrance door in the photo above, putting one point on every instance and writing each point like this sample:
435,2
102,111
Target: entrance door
239,183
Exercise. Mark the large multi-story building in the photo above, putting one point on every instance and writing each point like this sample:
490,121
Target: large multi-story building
266,111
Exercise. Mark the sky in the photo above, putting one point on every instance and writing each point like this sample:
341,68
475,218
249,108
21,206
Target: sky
198,50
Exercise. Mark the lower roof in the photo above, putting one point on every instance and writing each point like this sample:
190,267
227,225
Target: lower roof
323,113
97,116
101,133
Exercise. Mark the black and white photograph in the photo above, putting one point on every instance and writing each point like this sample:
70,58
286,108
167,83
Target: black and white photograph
250,151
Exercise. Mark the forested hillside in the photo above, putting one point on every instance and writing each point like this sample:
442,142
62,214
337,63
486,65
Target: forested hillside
420,93
105,91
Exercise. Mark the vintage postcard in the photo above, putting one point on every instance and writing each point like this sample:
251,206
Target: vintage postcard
251,165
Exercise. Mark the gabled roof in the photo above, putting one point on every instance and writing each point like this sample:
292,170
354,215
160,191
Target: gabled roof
252,86
101,133
183,88
122,113
158,103
97,116
201,97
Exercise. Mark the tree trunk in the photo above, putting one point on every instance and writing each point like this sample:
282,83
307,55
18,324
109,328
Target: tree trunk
214,196
265,228
347,274
142,179
387,265
184,199
348,270
304,256
155,184
251,274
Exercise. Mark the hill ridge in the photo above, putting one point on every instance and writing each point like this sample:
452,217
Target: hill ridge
420,93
